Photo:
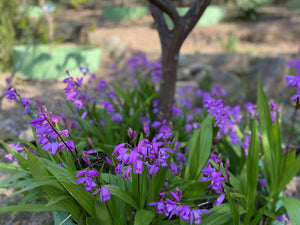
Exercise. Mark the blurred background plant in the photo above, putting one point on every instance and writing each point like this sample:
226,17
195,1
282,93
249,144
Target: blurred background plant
249,9
230,45
18,27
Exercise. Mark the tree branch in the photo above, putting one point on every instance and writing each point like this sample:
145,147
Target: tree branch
167,7
193,15
160,21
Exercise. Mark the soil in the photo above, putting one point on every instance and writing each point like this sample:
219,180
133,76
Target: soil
275,33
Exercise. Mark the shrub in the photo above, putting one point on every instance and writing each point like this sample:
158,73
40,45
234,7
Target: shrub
17,28
250,8
115,160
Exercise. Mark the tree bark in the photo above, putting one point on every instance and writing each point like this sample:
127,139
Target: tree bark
171,41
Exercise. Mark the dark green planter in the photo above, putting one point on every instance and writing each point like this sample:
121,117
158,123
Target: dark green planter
119,13
212,15
39,64
60,217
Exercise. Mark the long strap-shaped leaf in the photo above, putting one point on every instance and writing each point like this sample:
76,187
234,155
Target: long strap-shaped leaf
271,142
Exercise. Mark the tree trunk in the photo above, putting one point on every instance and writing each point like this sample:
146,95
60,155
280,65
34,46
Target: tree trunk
169,70
171,41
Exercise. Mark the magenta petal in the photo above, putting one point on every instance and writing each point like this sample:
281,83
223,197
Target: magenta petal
80,180
220,199
81,173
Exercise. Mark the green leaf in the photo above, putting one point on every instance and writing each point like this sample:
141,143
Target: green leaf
271,136
140,184
252,171
199,148
30,196
31,208
124,196
85,199
194,190
21,174
10,168
19,184
33,185
103,214
292,206
156,183
138,111
290,169
233,208
219,215
143,217
57,199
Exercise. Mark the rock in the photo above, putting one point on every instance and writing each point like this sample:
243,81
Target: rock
226,80
9,127
183,73
196,67
230,62
272,72
27,135
182,61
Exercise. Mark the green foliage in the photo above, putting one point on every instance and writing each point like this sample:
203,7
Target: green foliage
250,8
17,28
133,200
231,44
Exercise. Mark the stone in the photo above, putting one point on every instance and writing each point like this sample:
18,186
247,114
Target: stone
272,72
226,80
26,135
196,67
183,73
182,61
9,127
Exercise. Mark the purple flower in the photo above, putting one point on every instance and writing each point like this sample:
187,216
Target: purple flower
197,214
26,102
295,63
146,129
262,182
218,111
104,194
176,111
10,93
108,160
9,156
118,169
175,196
138,167
102,85
280,218
215,177
250,108
88,179
173,169
117,117
220,199
108,107
127,173
16,147
84,70
160,209
188,128
186,214
78,103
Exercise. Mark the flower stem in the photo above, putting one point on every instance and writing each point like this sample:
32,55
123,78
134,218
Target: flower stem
112,219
